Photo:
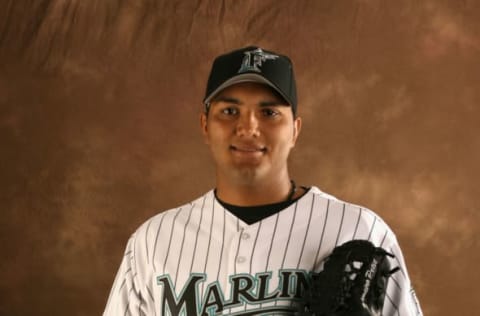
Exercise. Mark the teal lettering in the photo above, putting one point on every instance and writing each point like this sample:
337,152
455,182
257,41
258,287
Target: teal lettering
213,301
187,301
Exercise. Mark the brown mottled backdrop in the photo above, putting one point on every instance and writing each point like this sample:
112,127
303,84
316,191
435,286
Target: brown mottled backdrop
99,129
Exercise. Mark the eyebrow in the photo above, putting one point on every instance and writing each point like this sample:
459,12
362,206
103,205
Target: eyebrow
227,100
232,100
273,103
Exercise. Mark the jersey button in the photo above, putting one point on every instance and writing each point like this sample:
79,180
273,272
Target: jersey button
241,259
245,236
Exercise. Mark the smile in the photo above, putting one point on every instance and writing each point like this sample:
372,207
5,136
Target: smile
248,149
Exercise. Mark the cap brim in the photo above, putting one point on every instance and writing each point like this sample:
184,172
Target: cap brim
245,77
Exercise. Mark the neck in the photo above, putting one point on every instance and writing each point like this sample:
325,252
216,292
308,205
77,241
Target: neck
256,192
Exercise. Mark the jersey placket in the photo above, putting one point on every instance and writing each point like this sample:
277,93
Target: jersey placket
241,249
244,250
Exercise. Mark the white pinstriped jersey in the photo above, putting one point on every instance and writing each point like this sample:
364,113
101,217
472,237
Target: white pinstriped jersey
199,259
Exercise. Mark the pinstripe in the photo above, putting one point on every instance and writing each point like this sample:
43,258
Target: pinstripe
208,246
288,239
341,225
392,251
271,242
150,293
373,226
306,233
384,237
323,232
209,238
132,259
132,289
223,243
395,282
153,300
133,281
146,241
198,231
170,239
117,280
129,270
127,307
358,222
143,301
255,245
245,308
292,224
390,299
393,303
155,244
236,254
183,242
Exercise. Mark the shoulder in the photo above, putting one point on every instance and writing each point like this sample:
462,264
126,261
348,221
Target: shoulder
354,221
181,213
344,221
153,235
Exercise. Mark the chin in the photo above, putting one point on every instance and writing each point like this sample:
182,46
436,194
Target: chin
249,174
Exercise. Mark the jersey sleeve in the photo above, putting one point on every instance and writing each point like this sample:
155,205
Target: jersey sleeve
400,299
125,296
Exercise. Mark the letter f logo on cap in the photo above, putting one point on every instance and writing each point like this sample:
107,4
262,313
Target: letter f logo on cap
253,60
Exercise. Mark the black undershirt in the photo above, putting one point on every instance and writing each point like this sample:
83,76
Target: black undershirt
253,214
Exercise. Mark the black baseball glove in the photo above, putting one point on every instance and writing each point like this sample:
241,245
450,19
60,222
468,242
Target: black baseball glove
352,283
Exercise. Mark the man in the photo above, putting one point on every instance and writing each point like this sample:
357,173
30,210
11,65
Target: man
250,245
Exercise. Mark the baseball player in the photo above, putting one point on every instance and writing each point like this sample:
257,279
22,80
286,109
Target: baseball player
250,245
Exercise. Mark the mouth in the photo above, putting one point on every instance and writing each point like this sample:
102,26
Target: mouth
248,149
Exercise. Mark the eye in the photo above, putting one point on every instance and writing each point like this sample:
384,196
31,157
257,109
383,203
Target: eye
229,111
270,112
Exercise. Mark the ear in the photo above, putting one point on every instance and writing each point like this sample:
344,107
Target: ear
203,126
297,127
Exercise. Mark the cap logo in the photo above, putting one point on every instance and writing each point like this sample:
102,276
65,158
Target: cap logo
252,61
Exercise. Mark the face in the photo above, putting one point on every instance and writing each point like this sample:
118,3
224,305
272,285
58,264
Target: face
250,131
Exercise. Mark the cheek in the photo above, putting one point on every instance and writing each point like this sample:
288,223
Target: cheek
216,135
283,139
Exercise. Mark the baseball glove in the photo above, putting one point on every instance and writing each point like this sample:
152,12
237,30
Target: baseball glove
353,282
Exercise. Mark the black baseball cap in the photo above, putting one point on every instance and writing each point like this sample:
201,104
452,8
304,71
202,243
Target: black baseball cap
253,64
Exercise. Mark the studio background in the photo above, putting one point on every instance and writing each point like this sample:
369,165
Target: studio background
99,130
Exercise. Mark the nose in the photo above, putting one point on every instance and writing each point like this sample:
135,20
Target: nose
247,125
